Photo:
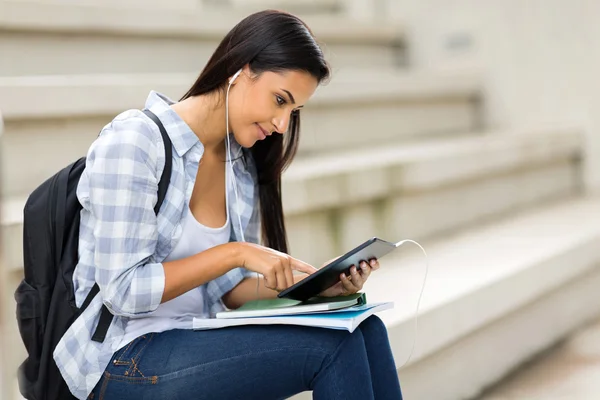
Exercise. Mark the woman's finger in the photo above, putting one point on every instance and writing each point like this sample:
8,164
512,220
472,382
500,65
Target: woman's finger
374,263
270,280
347,285
302,266
365,271
357,280
281,279
289,277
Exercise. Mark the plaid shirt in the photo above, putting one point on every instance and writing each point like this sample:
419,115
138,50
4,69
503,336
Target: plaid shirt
121,240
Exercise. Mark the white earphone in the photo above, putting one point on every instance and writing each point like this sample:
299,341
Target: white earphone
233,78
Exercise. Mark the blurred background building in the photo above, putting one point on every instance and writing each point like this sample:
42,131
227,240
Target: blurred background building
472,127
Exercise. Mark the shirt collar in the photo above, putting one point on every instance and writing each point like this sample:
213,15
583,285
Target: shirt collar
181,134
182,137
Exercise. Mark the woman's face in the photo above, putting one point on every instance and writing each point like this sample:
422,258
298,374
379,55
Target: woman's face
259,107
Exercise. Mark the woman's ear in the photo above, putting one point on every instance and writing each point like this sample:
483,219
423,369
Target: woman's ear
247,72
234,77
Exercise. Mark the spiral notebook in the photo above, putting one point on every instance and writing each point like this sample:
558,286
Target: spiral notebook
345,319
277,306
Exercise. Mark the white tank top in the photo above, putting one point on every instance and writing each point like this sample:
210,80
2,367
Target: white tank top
179,312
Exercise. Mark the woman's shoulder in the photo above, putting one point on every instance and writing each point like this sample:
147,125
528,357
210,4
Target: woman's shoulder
133,122
131,133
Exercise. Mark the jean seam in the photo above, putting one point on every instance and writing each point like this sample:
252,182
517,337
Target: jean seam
155,379
193,368
132,379
134,360
118,359
104,385
135,368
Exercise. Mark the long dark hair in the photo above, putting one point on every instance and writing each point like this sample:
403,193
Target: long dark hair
272,41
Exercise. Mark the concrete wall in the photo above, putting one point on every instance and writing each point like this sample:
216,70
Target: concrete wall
540,59
4,316
146,4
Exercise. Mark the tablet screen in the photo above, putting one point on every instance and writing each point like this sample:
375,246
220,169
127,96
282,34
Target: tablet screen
329,275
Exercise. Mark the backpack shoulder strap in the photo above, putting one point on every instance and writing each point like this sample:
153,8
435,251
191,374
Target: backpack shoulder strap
105,315
163,185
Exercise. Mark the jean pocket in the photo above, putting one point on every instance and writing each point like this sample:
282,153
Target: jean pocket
126,362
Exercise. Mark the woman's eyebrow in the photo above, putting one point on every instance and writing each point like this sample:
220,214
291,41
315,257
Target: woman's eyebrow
291,96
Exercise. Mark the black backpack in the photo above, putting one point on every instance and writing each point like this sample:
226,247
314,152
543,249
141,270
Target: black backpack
45,298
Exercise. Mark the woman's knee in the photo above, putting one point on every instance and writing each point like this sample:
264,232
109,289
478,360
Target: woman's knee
373,326
332,341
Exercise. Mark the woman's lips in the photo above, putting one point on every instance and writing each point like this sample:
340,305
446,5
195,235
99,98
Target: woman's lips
261,132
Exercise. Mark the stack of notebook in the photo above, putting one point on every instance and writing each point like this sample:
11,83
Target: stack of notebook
343,312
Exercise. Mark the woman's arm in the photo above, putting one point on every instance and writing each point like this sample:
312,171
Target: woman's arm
121,190
246,291
190,272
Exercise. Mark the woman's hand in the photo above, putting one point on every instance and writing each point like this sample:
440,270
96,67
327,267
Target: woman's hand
353,283
275,266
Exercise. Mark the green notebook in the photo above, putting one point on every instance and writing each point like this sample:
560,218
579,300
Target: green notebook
277,306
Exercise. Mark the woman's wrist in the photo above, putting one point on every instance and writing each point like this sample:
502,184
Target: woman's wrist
234,257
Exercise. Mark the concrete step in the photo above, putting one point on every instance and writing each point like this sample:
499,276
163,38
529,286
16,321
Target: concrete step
421,190
83,39
187,5
298,7
576,360
495,296
425,189
57,117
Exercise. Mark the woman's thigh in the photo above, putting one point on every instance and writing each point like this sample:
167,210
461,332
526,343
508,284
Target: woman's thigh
250,362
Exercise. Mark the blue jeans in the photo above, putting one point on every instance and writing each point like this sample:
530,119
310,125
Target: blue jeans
254,362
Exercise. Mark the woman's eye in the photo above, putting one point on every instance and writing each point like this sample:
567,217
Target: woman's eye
280,100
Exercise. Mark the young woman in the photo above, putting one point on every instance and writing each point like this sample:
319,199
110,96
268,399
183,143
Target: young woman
232,133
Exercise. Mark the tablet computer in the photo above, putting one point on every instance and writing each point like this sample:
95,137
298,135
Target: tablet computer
329,275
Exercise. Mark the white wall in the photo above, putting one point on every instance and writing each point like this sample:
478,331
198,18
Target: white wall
174,5
541,58
4,316
365,9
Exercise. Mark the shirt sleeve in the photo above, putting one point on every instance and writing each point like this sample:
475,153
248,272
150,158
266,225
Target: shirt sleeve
122,171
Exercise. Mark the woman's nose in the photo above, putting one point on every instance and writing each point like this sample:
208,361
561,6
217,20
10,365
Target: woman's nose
281,123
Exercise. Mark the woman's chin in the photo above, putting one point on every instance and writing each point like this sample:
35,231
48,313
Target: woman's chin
246,140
